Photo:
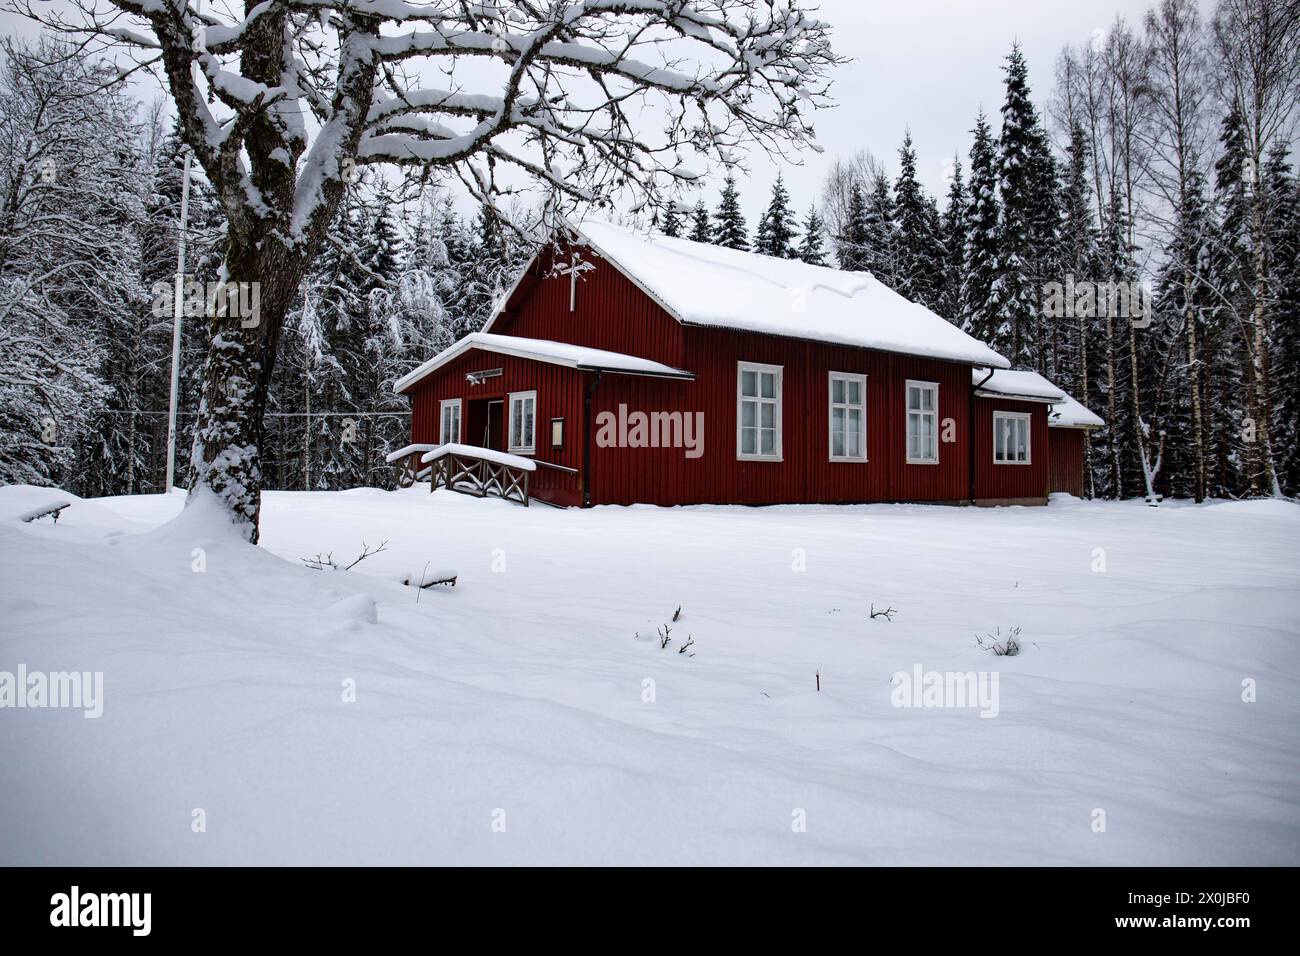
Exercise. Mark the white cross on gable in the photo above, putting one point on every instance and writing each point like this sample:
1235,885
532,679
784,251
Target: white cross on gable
577,265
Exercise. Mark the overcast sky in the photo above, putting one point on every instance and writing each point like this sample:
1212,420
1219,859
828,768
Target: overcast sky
927,65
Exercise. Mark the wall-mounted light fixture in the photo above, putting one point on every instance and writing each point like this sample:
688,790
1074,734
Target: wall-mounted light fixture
557,432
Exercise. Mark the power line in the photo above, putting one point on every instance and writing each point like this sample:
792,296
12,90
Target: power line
140,411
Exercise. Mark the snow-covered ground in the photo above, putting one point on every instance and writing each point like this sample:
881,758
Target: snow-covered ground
517,718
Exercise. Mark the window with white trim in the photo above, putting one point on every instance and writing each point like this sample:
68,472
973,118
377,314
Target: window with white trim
1011,438
523,422
449,413
922,423
848,417
758,412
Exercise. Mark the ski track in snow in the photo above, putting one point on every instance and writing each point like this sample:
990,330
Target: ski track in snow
521,689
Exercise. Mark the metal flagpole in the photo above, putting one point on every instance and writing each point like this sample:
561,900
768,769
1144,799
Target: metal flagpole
177,300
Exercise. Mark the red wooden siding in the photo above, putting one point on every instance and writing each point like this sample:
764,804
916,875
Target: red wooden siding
613,313
998,482
1065,446
559,395
666,476
610,312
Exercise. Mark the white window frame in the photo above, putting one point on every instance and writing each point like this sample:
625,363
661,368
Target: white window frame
443,406
907,421
511,398
778,373
831,405
1025,417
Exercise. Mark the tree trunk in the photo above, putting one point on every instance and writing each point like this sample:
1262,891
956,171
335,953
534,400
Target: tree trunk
1117,485
1139,429
1081,392
1263,475
1194,384
226,458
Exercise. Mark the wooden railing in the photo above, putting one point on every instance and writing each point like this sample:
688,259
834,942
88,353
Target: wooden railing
479,476
407,469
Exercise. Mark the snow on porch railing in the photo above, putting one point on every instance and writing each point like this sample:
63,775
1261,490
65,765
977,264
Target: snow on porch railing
479,471
407,462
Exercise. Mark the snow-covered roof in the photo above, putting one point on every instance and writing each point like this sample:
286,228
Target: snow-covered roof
703,284
1015,383
1071,414
1032,387
543,350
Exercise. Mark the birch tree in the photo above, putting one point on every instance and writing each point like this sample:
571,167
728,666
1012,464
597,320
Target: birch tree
1259,71
1178,87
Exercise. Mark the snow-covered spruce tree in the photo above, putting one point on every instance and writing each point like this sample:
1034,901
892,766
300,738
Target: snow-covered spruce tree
1015,300
729,222
1078,260
497,254
812,247
1044,249
777,230
438,258
1116,266
761,233
671,226
340,295
982,242
359,325
881,255
701,227
281,104
1181,296
953,237
1229,275
920,247
382,358
1284,239
851,244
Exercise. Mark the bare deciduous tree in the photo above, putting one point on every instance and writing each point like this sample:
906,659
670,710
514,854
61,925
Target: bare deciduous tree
861,169
282,101
1175,151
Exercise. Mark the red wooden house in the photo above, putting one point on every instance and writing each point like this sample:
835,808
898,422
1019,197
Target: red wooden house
632,369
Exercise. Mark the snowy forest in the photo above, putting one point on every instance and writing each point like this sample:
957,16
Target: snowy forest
1160,157
88,260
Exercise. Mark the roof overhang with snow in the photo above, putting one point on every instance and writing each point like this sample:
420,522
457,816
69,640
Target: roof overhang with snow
1015,384
1023,386
544,350
701,284
1072,414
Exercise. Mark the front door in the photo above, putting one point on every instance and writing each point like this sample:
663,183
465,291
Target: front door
494,431
484,423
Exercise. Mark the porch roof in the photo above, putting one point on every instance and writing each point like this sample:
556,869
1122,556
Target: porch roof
544,350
